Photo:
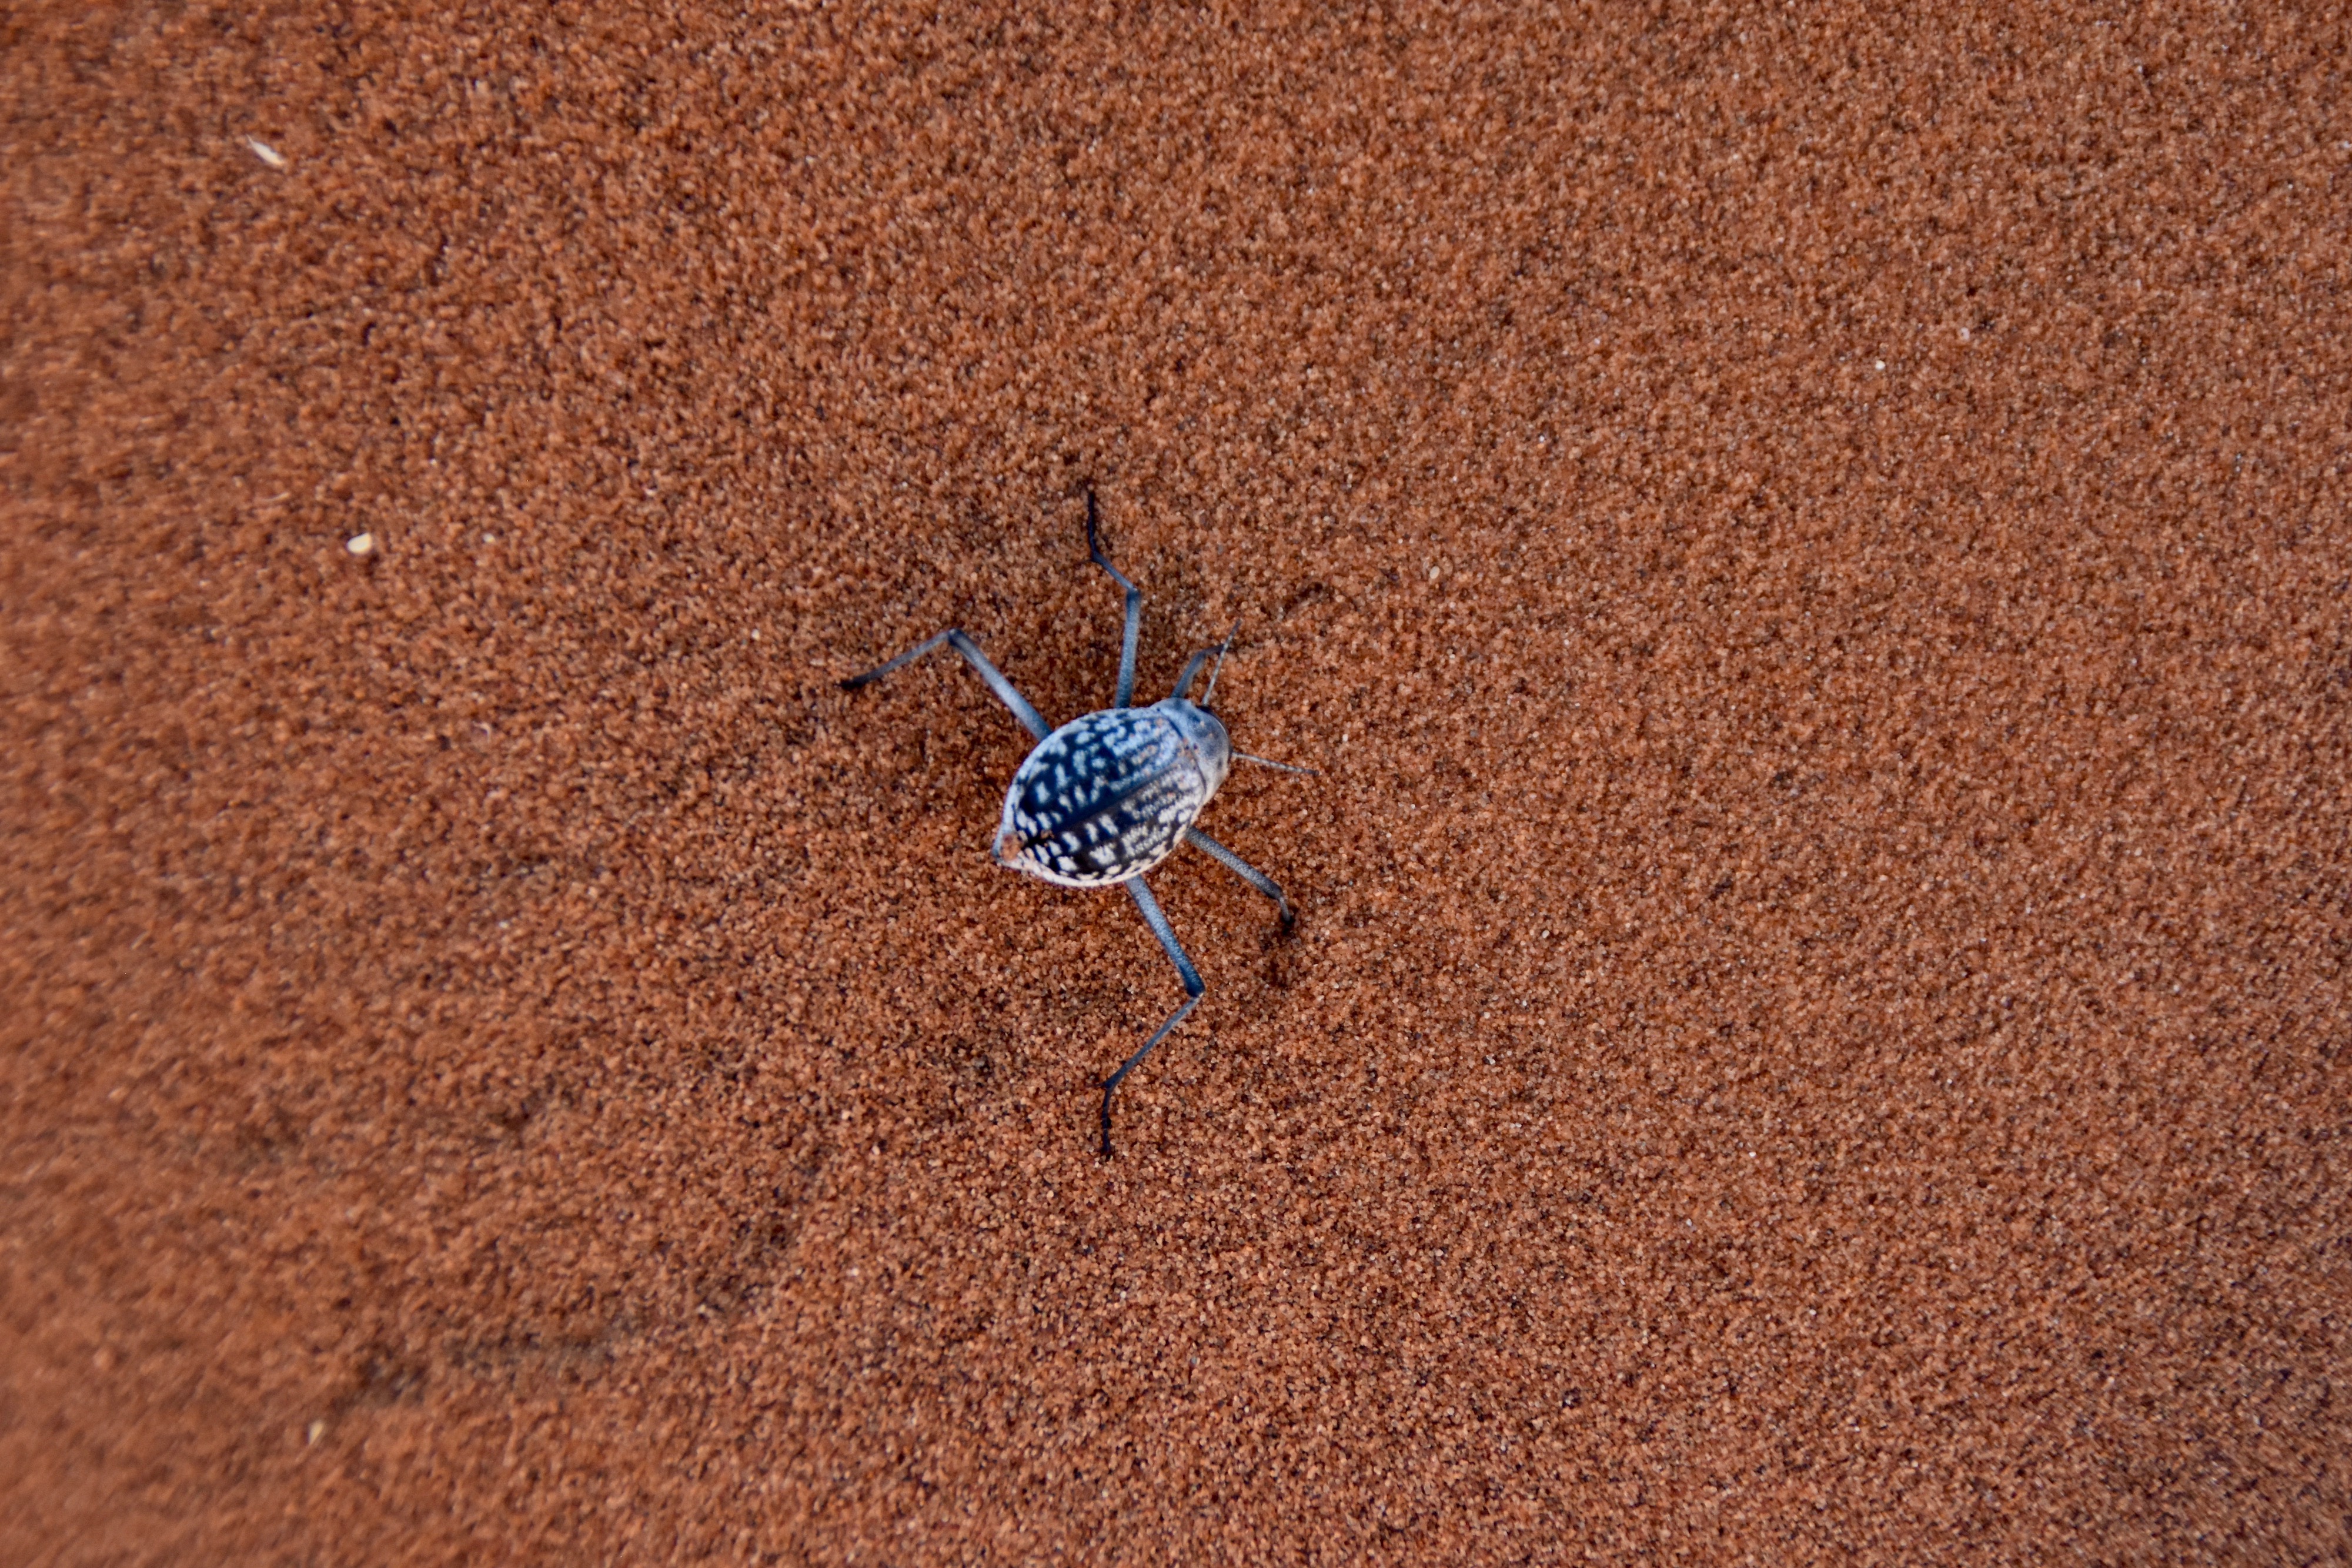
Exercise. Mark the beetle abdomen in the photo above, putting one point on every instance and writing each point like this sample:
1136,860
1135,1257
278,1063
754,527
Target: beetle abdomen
1103,799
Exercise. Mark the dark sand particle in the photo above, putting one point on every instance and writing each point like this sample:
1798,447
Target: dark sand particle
1812,552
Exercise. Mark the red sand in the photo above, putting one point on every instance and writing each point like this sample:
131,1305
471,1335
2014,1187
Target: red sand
1813,556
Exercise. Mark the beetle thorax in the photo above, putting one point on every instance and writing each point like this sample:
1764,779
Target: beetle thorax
1108,796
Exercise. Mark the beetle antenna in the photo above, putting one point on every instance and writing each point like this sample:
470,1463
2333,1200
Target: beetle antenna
1220,661
1285,767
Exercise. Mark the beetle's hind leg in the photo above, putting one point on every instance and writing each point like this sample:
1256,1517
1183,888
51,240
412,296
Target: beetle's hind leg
1006,692
1192,990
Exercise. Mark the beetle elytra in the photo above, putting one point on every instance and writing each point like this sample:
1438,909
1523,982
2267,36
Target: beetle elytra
1109,795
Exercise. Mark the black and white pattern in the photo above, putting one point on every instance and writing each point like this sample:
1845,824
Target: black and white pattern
1105,797
1108,797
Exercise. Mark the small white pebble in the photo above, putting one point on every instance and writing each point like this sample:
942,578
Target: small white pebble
316,1430
361,543
1882,365
266,153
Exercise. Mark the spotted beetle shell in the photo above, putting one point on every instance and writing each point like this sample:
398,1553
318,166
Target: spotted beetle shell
1108,797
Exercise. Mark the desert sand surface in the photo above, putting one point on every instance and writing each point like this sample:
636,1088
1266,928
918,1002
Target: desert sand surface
1808,550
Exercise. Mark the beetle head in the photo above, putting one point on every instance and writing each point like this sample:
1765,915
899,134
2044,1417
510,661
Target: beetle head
1202,732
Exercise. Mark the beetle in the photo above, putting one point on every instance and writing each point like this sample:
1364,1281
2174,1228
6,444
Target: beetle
1111,794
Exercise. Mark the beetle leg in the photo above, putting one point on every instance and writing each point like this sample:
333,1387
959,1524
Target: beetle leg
1192,673
1239,867
1134,609
1192,989
1006,693
1192,670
